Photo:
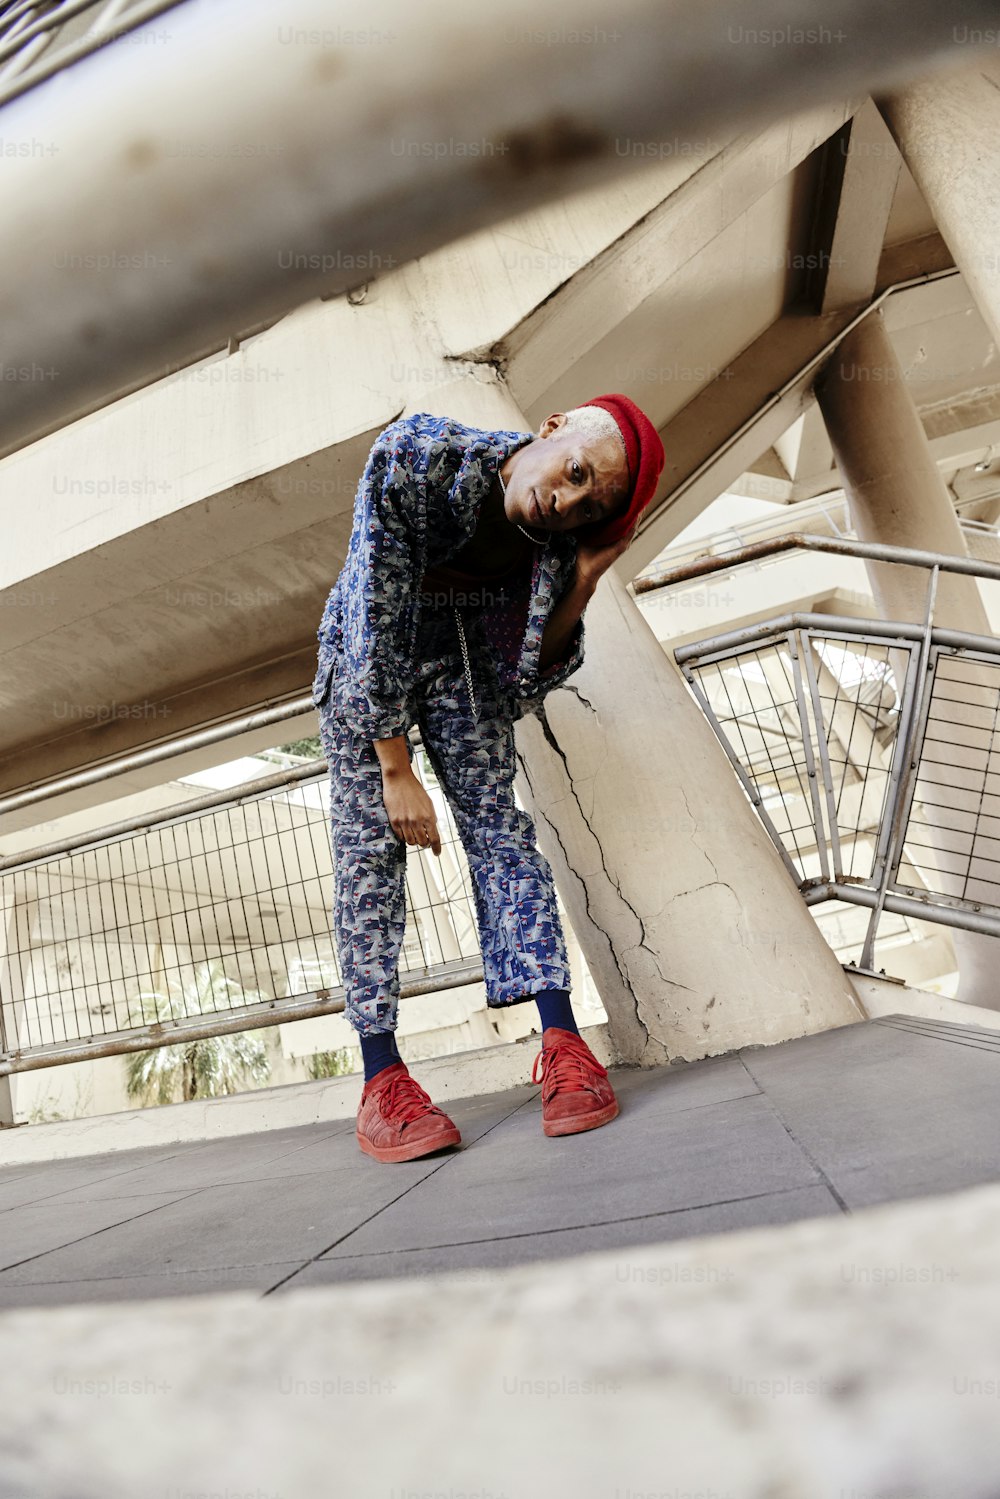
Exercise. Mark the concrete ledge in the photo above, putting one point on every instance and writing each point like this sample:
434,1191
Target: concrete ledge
838,1357
490,1069
882,997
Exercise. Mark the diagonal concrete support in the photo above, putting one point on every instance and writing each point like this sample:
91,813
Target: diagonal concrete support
896,495
947,128
697,939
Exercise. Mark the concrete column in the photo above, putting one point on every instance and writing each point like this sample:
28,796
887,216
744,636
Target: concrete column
894,490
696,937
896,495
947,128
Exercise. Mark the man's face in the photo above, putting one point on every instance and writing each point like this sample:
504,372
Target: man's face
564,480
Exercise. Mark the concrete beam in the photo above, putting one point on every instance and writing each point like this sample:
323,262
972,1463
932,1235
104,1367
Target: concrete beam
748,407
807,455
861,169
720,433
946,128
587,307
252,165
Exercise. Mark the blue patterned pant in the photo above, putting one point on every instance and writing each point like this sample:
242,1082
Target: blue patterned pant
520,934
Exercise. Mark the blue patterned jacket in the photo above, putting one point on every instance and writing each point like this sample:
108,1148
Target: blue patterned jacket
417,504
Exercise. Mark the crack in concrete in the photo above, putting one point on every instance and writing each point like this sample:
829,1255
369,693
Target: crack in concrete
598,770
626,982
568,687
691,819
643,942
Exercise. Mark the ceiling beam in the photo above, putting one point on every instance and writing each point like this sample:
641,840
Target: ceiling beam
250,166
860,170
745,409
592,302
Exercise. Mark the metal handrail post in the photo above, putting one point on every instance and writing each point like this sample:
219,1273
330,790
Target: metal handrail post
918,701
823,748
800,698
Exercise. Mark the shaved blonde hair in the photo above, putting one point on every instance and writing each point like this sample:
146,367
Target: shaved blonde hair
594,421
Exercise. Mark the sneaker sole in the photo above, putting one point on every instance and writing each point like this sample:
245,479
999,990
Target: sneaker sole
392,1153
577,1125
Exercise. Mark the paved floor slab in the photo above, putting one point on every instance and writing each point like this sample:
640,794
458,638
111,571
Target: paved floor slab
669,1161
864,1114
888,1111
488,1255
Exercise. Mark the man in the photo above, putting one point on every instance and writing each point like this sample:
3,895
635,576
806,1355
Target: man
417,630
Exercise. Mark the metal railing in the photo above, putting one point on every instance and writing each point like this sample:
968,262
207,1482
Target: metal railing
870,749
38,38
208,917
824,515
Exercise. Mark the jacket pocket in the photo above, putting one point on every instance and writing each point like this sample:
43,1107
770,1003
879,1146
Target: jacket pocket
321,685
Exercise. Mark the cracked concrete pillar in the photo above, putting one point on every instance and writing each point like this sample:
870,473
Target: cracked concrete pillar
697,939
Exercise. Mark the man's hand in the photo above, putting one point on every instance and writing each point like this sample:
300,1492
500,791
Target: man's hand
411,811
593,562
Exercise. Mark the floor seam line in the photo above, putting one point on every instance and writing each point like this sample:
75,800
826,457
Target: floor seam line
371,1218
30,1259
798,1143
53,1195
694,1207
146,1275
912,1030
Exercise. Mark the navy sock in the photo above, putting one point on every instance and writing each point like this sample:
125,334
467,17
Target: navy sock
378,1051
555,1009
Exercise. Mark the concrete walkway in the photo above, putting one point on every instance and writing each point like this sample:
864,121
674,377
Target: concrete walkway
865,1114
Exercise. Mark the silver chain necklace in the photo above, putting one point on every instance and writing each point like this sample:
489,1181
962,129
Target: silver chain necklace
517,523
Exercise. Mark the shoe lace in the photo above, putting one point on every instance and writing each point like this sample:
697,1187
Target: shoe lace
404,1098
566,1064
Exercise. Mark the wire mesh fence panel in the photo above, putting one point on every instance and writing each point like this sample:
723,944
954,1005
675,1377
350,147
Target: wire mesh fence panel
756,713
810,720
858,715
874,763
205,915
952,828
844,929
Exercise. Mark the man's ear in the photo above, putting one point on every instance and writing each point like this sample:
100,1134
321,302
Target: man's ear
552,423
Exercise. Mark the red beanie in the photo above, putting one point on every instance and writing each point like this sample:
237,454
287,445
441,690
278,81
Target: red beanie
645,457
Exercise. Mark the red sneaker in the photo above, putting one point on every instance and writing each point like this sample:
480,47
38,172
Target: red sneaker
576,1094
397,1120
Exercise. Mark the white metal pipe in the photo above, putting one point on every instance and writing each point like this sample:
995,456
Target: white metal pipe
153,754
223,1023
125,827
263,155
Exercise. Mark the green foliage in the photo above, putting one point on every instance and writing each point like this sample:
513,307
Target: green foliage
44,1113
205,1068
302,749
337,1063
